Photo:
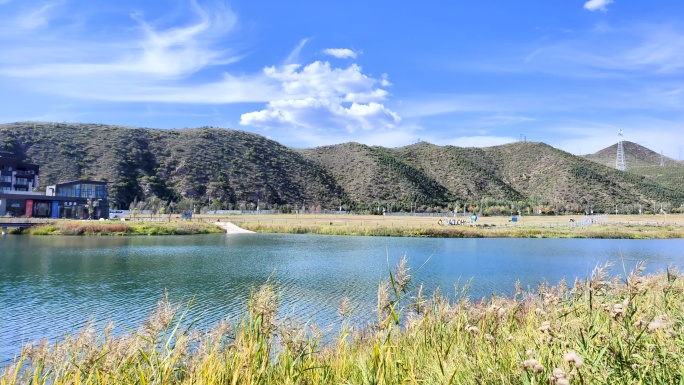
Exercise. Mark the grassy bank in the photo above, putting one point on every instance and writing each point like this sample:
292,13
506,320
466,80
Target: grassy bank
594,331
609,231
122,228
613,226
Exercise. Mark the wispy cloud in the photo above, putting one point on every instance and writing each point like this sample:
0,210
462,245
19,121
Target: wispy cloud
36,18
597,5
425,105
645,49
150,65
340,53
160,53
293,57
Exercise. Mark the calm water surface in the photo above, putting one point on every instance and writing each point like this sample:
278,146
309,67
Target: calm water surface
54,285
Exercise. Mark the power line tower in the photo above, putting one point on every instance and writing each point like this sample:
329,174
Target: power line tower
620,163
662,159
680,152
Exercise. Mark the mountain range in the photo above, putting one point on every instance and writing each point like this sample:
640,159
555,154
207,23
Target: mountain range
230,169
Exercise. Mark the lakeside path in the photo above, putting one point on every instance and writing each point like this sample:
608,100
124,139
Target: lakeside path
231,228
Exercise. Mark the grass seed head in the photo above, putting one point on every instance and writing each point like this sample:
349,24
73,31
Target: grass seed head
401,275
264,304
545,327
161,317
572,357
617,310
383,300
658,323
530,364
558,373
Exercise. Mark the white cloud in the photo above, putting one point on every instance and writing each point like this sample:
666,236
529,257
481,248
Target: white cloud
321,114
597,5
319,97
319,79
340,53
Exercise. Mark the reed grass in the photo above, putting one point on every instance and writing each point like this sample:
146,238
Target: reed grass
600,330
123,228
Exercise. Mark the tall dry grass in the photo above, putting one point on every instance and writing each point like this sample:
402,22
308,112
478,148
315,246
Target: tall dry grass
611,231
123,228
601,330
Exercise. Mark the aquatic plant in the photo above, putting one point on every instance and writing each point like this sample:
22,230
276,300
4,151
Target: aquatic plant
597,330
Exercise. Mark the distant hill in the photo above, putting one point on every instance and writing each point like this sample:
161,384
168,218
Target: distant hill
207,164
643,161
375,173
229,169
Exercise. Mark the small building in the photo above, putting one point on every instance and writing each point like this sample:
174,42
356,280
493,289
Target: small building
17,176
19,195
77,198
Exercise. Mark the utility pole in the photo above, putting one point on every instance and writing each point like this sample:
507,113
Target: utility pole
620,161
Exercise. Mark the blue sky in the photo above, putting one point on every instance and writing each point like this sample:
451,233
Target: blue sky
567,73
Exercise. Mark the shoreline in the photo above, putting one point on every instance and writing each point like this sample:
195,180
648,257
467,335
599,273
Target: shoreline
619,227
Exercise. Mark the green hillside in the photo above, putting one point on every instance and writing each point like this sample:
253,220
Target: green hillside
466,172
228,169
374,174
222,167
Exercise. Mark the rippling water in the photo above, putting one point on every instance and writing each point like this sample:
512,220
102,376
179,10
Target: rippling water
54,285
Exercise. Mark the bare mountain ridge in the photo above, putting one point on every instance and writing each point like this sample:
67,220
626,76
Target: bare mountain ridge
223,168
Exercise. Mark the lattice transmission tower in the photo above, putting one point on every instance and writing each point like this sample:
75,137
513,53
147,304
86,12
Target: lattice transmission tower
620,163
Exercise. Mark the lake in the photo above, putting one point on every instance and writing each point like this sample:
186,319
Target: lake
53,285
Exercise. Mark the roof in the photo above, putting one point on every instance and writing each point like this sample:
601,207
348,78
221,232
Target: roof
100,182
